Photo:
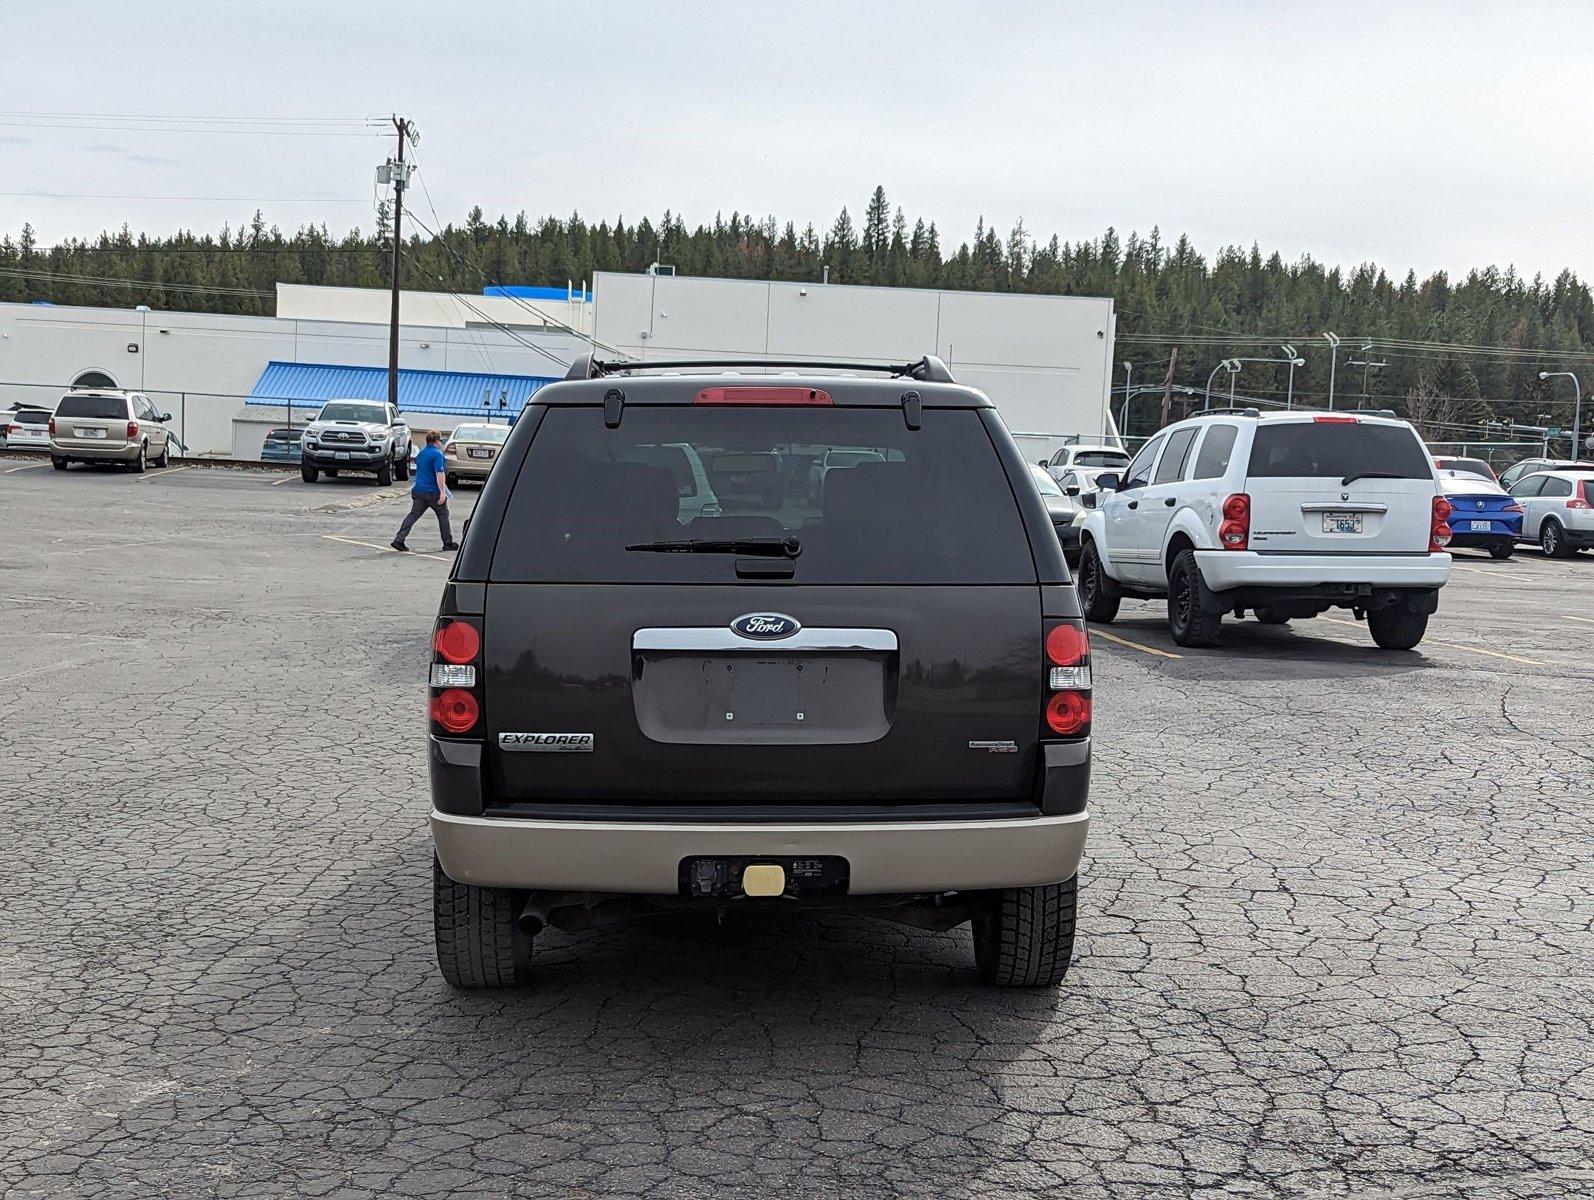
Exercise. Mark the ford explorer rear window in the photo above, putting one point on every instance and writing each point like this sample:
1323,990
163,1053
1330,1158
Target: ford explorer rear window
1318,449
112,408
598,505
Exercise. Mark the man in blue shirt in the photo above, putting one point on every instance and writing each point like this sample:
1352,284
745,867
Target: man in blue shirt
429,491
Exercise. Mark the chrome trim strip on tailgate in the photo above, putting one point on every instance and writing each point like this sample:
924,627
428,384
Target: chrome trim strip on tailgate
1360,506
719,638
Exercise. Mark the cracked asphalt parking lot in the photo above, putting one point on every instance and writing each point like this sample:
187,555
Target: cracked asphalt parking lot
1335,913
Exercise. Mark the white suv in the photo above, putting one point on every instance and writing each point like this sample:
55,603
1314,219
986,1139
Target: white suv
1287,515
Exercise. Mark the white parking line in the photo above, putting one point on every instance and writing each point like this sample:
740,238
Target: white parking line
1574,617
385,549
1111,637
283,480
1428,641
28,467
148,475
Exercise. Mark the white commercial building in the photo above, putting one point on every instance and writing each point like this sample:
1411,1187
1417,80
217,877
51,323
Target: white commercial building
1044,360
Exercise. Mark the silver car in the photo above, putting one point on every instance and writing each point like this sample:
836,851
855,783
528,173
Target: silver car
1557,510
109,426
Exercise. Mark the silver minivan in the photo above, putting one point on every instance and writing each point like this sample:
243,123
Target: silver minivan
109,426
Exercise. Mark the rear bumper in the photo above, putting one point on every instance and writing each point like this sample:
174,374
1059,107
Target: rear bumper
1068,536
467,468
1222,570
645,859
83,448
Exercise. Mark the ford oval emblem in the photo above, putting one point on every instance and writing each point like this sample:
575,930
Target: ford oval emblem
766,626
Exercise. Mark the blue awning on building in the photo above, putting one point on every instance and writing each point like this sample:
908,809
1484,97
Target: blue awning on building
461,392
515,291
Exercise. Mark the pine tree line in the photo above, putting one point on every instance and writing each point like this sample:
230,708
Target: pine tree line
1429,332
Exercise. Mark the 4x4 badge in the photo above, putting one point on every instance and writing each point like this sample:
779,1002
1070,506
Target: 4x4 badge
766,626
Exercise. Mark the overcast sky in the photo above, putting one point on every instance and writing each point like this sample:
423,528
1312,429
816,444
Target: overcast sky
1411,133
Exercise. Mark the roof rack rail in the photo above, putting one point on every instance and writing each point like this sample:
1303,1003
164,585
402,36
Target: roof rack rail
928,369
1228,412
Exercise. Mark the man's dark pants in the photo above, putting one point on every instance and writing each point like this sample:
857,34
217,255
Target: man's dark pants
420,502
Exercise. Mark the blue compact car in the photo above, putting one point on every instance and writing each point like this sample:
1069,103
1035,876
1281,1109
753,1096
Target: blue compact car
1482,513
282,445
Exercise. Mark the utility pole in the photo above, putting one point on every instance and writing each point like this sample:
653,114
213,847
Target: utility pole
397,172
1167,386
1295,361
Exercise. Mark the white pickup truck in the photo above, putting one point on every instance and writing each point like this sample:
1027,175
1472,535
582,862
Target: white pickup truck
1286,515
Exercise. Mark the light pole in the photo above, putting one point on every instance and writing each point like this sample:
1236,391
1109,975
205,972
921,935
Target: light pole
1577,410
1333,361
1366,365
1292,361
1229,365
1544,421
1295,361
1123,420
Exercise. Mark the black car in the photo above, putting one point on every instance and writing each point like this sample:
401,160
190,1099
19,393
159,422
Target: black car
879,698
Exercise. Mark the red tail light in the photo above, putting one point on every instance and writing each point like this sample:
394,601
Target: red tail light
132,430
456,702
1578,502
455,710
52,426
1335,420
1513,508
1586,500
763,395
1439,532
1067,713
1067,680
1235,532
457,642
1067,646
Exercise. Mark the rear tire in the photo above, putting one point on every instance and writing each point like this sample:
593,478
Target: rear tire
401,467
1501,551
1190,624
1271,616
452,481
384,474
165,460
1552,540
1099,597
142,461
1396,627
308,473
1025,938
479,940
60,464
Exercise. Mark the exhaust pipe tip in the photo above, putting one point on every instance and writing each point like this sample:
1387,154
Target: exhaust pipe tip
534,917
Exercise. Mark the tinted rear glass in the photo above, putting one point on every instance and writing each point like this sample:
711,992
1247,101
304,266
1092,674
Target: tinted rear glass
923,506
106,407
1316,449
1100,458
28,416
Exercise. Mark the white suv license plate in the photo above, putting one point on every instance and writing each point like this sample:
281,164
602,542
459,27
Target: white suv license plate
1337,522
1480,526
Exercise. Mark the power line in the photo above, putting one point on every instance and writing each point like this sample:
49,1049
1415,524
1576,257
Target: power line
218,199
109,281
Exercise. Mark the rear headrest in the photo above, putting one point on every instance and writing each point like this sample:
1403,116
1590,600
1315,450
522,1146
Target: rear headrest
636,500
870,491
736,526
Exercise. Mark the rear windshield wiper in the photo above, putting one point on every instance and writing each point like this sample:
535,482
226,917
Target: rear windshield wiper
768,547
1355,475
